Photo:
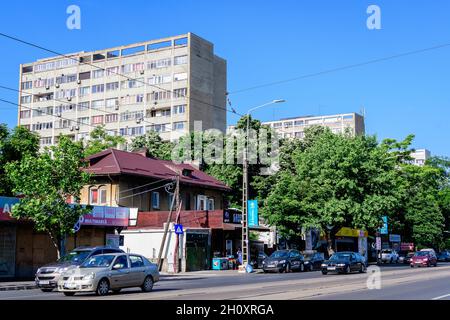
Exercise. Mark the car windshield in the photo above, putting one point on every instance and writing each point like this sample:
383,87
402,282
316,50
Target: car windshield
279,254
387,251
308,256
102,261
410,254
340,256
421,254
75,256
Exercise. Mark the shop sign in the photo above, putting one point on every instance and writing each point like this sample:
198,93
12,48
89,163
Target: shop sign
394,238
384,229
407,246
349,232
232,216
378,243
252,208
6,204
106,216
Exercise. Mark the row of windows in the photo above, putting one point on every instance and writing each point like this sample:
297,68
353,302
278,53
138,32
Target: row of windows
290,124
99,88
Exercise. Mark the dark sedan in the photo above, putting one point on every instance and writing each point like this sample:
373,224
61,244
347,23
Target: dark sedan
313,261
284,261
344,262
443,256
257,262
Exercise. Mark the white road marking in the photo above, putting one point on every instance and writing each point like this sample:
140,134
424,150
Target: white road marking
441,297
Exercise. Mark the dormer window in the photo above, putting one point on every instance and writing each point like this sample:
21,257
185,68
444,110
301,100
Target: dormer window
187,172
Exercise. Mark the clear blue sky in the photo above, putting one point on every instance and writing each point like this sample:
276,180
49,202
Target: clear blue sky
266,41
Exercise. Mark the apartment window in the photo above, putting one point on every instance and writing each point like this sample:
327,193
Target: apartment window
83,120
133,50
159,95
180,60
165,113
27,85
133,131
98,88
201,202
25,99
181,41
25,114
112,103
349,117
155,200
210,204
84,75
97,120
98,73
158,127
288,124
135,83
113,54
112,71
98,57
180,76
68,93
39,83
111,118
27,69
45,141
112,86
159,45
277,125
64,108
134,115
42,126
157,64
180,93
93,196
178,125
98,104
300,135
83,91
43,97
82,135
66,78
159,79
63,124
179,109
83,106
140,97
299,123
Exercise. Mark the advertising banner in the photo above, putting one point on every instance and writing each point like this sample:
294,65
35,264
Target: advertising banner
6,204
252,207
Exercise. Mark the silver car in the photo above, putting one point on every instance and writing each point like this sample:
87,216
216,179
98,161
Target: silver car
106,272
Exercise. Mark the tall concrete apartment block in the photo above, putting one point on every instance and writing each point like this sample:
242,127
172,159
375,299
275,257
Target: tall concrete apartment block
338,123
161,85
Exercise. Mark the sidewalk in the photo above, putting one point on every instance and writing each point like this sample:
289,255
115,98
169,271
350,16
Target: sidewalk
17,285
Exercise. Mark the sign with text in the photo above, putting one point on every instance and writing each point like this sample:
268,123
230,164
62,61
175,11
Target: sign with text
395,238
6,204
232,216
252,209
384,229
378,243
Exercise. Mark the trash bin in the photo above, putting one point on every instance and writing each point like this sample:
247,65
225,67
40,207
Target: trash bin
220,263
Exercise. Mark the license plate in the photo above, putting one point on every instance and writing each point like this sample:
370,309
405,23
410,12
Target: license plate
44,282
331,268
271,265
70,286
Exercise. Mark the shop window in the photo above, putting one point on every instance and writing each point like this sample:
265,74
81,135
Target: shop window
211,204
155,200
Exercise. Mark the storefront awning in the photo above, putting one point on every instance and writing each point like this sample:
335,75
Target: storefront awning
349,232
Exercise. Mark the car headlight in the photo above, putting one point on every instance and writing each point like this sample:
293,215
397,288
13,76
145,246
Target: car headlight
38,270
323,265
306,262
341,264
61,270
282,261
89,276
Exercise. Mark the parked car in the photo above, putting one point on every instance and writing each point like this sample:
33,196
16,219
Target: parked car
106,272
389,255
313,261
47,276
257,262
408,257
284,260
344,262
424,259
444,256
429,250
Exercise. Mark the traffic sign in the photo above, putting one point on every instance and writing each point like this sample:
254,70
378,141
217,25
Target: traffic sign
178,229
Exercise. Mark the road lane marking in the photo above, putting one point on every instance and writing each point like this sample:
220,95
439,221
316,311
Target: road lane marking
441,297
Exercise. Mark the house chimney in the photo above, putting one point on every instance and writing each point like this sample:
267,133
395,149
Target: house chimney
142,151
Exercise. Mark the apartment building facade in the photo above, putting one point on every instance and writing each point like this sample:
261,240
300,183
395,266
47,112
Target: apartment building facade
420,156
338,123
160,85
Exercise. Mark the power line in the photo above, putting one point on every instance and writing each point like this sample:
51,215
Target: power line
117,73
346,67
146,191
145,185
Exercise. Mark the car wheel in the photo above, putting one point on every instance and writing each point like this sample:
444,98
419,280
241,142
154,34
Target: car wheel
412,266
288,268
103,287
324,272
362,269
147,286
69,294
347,269
46,290
311,267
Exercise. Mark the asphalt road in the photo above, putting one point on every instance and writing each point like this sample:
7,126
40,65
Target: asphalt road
398,282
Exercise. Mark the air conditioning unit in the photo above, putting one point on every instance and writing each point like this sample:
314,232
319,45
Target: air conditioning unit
47,88
79,81
69,99
117,107
57,85
58,114
142,72
77,128
71,128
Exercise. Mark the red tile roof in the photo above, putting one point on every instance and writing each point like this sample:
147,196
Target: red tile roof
116,162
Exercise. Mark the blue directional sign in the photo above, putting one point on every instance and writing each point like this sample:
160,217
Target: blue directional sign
178,229
252,209
384,229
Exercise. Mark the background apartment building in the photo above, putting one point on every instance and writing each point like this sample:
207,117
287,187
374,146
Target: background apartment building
420,156
160,85
339,123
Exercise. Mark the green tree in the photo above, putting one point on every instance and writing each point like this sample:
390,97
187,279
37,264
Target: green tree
333,180
14,145
156,147
100,140
45,183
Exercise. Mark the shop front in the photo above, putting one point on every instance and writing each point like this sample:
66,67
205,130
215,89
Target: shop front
348,239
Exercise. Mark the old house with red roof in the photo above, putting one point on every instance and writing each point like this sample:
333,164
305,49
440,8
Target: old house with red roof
133,180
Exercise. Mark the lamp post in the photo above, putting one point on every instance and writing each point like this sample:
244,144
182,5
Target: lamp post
245,233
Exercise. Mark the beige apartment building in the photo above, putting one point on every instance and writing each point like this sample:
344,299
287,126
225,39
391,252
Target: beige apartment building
338,123
160,85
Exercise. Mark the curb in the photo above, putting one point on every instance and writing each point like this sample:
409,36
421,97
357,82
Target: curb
18,287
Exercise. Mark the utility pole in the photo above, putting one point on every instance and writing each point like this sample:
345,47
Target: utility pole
169,218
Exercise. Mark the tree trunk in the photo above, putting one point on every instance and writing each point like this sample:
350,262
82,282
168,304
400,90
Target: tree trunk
329,244
57,243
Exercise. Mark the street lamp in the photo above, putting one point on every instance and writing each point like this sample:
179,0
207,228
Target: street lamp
245,233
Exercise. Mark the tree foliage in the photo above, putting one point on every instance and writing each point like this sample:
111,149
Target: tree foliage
100,140
156,147
45,182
